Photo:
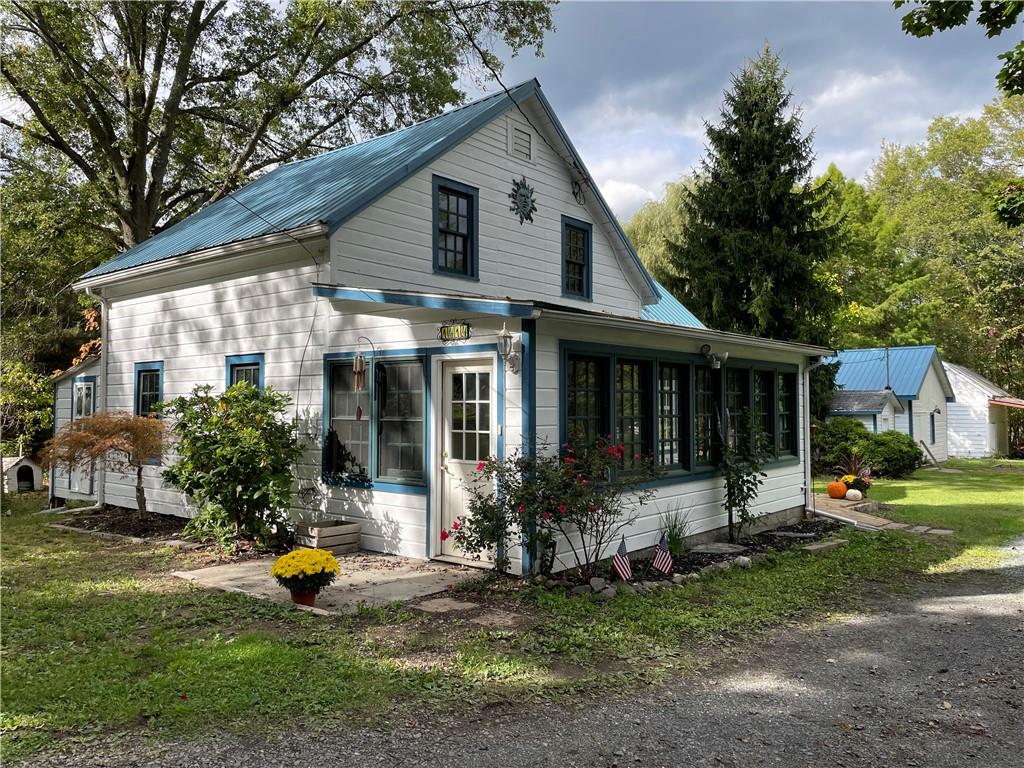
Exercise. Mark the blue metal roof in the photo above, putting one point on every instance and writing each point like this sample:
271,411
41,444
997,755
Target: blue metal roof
865,369
328,188
668,309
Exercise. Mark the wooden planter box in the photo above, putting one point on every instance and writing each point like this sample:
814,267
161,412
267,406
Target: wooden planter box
333,535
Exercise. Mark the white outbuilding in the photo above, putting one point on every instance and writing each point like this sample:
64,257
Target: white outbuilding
978,418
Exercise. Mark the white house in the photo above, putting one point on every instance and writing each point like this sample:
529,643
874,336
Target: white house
978,418
472,265
914,376
77,392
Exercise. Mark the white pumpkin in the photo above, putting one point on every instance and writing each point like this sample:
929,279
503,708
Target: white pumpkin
854,495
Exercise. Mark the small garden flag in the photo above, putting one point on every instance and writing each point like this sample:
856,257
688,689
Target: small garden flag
620,561
662,557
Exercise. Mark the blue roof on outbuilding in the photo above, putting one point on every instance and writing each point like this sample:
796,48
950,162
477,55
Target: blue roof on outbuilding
328,188
865,369
668,309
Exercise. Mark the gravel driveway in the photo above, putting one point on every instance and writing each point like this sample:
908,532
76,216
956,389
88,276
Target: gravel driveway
932,679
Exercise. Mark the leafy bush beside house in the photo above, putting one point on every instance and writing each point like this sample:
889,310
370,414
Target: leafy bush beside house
834,440
891,454
236,452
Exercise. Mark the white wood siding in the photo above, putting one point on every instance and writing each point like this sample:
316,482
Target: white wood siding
390,243
976,429
193,327
929,398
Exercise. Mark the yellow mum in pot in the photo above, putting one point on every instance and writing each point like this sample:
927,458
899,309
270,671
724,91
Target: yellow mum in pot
304,572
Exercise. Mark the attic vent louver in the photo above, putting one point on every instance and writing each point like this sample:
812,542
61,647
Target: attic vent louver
522,144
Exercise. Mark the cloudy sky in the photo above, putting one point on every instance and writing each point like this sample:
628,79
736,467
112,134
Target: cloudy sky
633,81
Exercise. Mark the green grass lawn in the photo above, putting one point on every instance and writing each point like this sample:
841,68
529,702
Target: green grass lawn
99,638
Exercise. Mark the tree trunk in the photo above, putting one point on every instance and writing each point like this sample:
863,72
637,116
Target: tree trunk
140,490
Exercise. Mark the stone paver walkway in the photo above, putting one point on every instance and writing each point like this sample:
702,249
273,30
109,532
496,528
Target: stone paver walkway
365,579
860,515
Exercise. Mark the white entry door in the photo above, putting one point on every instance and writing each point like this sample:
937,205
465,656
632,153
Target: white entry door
468,435
84,394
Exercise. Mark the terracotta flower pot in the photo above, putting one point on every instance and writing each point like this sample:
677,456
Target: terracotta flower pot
304,598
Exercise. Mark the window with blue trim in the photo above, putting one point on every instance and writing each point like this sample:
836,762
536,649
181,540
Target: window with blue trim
577,251
455,228
931,427
376,427
244,368
149,387
786,444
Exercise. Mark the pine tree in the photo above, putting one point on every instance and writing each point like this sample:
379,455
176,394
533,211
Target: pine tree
757,237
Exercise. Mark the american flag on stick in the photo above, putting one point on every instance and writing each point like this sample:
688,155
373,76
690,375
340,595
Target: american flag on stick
620,561
662,557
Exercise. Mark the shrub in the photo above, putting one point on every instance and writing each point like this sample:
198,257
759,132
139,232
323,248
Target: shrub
124,441
676,525
834,440
892,454
584,499
26,407
742,466
236,452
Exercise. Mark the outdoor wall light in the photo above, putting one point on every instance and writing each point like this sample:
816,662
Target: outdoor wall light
714,360
507,348
936,409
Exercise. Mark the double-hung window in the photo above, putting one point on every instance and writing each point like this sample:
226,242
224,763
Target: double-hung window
673,415
586,399
632,410
737,405
244,368
348,432
149,387
762,411
455,228
577,252
376,427
705,416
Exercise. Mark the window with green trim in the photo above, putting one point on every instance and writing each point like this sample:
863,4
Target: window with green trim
787,419
705,416
737,404
632,394
586,399
761,404
673,415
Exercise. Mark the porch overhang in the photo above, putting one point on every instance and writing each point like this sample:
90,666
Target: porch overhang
479,305
1007,402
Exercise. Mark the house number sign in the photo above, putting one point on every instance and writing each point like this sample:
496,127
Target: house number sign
454,330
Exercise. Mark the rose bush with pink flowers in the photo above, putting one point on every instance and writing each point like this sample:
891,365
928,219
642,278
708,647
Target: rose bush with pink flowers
583,498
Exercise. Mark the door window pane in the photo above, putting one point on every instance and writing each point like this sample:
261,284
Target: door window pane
469,437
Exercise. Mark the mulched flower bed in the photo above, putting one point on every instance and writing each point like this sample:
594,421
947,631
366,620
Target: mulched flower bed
807,532
129,522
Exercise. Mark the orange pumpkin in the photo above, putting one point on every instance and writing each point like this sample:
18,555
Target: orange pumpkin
837,490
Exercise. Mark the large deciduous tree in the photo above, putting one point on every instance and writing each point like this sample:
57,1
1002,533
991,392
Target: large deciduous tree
994,16
164,107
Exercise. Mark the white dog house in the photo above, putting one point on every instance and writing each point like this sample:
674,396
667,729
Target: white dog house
21,474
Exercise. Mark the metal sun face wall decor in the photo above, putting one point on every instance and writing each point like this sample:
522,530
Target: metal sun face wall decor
524,204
